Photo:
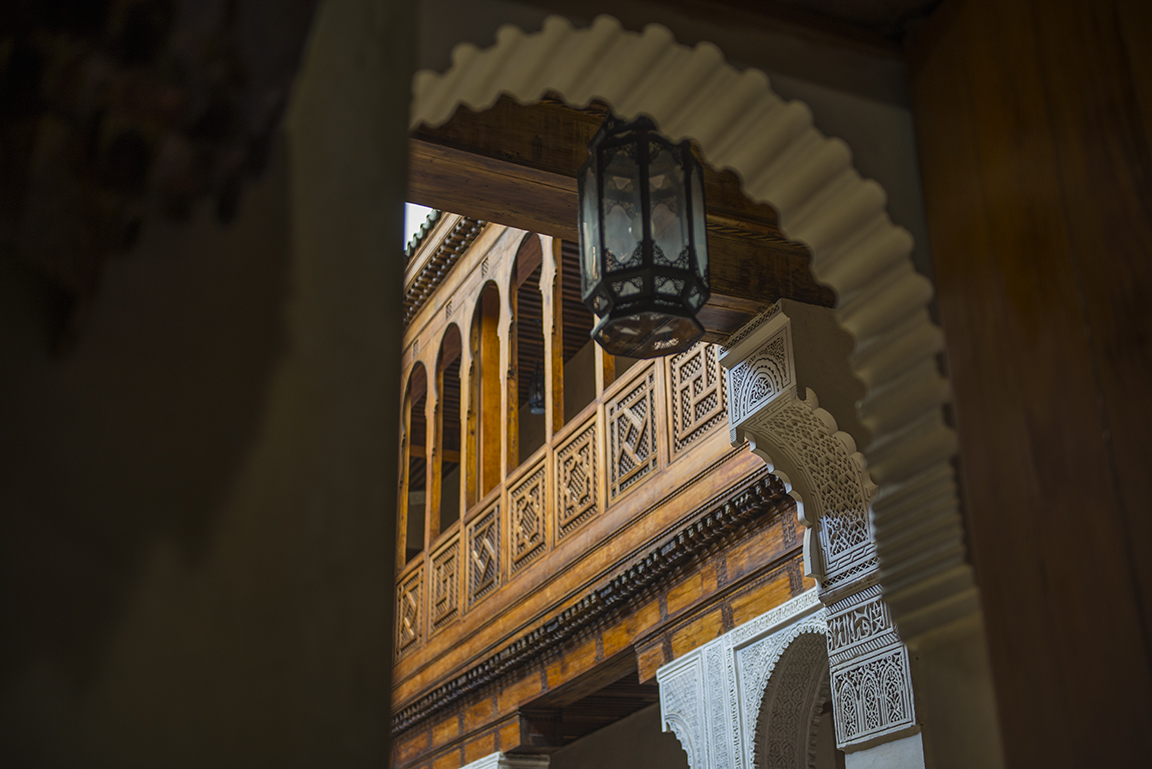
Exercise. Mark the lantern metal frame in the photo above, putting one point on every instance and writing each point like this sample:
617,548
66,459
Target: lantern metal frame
646,300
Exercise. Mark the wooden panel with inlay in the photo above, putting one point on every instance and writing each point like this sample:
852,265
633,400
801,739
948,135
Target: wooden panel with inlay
578,478
633,453
410,610
528,516
484,550
445,596
697,396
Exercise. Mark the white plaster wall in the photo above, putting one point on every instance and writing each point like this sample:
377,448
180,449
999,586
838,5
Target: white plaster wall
907,753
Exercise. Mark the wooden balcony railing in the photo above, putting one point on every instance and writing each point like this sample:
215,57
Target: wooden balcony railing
635,432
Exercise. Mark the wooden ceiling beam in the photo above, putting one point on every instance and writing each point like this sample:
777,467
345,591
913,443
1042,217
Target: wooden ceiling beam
517,165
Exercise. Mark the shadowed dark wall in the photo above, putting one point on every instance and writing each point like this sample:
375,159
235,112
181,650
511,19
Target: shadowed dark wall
197,501
1035,131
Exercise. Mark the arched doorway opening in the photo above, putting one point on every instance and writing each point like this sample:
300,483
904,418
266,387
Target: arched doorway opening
740,124
881,301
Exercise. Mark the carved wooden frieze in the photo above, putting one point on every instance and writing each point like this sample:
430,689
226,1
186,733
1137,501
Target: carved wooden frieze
409,606
577,480
632,435
527,519
444,585
697,395
483,534
721,519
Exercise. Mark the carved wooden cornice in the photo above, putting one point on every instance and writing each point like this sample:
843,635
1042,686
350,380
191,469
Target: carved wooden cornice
439,264
711,528
417,239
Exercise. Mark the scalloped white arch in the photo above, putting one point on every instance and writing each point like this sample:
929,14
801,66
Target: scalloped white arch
742,125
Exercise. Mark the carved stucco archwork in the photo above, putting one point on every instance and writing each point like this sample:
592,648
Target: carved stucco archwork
800,442
870,678
838,642
882,302
752,693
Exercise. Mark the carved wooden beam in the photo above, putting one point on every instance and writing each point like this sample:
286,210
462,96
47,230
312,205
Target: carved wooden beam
517,165
710,528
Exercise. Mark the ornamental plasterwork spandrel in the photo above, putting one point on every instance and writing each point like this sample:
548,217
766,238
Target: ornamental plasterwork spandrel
828,472
682,707
712,696
761,684
720,726
764,375
789,718
802,445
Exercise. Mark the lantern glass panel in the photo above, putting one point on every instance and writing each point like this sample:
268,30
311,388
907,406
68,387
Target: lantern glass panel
669,286
699,224
590,230
669,207
622,209
695,298
629,287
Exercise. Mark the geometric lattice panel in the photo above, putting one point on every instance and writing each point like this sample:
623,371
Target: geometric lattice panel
444,585
409,603
632,435
577,480
483,537
527,524
697,397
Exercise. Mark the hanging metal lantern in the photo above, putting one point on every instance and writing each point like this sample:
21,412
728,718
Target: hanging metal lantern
644,250
536,390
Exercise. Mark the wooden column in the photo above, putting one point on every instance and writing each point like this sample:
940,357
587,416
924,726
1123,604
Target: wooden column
511,377
1034,127
492,363
433,452
405,463
553,312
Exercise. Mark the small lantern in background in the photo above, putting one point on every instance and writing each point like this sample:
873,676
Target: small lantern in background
643,243
536,390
